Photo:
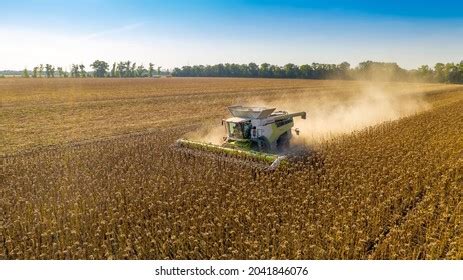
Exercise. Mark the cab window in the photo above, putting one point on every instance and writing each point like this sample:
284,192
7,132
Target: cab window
235,130
239,130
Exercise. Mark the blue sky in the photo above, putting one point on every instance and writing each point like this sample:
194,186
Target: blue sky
176,33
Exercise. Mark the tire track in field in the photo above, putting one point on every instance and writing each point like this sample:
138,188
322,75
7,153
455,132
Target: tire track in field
373,245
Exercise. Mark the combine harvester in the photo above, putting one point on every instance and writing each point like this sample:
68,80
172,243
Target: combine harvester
255,133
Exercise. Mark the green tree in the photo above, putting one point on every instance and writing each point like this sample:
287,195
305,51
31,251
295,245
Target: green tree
113,70
100,68
439,73
151,69
48,70
75,71
276,71
253,69
291,70
127,69
306,71
40,70
25,73
120,69
133,69
425,73
454,73
264,70
368,70
35,72
343,70
60,72
141,71
83,74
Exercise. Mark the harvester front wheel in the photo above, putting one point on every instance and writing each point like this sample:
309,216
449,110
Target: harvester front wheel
261,145
283,142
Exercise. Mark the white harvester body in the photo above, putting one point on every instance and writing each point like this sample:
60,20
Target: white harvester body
263,128
256,133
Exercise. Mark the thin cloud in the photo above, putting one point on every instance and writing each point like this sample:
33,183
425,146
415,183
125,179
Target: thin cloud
113,31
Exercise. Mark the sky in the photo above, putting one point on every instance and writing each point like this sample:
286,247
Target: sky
176,33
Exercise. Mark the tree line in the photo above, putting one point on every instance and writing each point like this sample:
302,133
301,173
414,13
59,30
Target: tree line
368,70
99,69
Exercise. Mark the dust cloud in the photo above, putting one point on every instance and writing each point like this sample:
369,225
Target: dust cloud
329,117
210,133
332,113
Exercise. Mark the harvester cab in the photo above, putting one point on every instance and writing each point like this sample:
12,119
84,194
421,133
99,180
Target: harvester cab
259,133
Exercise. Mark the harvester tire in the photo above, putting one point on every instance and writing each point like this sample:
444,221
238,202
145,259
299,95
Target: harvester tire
283,142
263,145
